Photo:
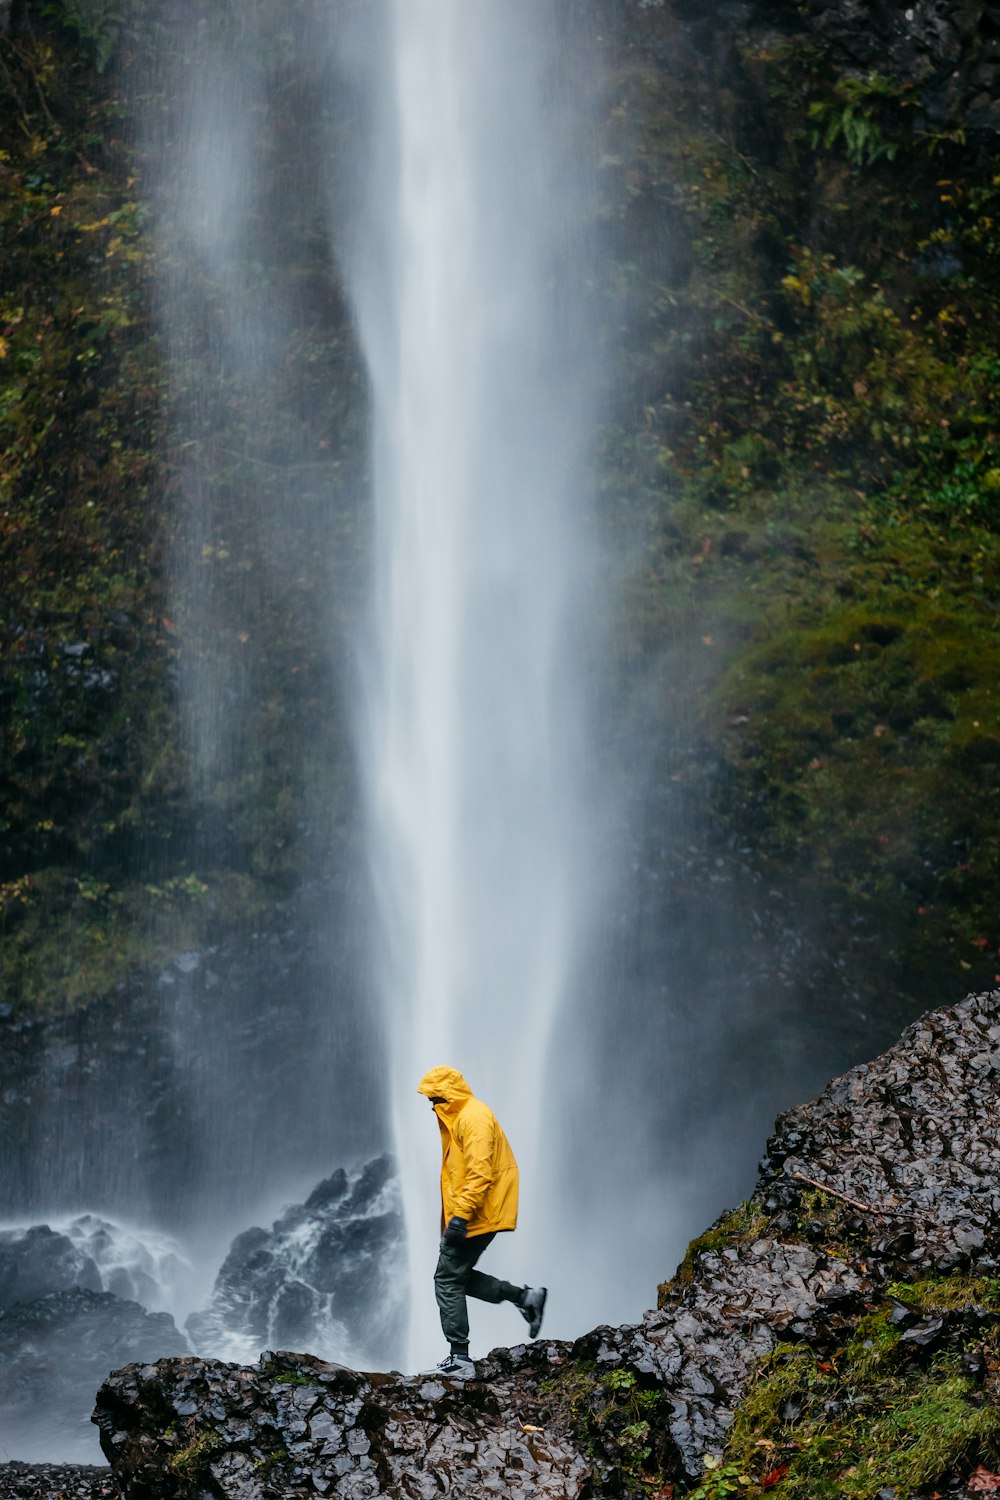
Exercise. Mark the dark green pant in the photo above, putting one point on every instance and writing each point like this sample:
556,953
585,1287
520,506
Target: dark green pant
456,1278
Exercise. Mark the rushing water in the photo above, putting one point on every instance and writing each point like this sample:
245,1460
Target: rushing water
445,153
470,282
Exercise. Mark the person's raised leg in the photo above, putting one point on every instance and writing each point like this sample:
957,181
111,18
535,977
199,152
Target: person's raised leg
529,1300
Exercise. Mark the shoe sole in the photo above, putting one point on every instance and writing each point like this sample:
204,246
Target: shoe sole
535,1326
463,1374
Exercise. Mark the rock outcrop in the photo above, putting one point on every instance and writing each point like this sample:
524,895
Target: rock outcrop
57,1482
915,1135
327,1276
55,1350
905,1147
949,49
38,1260
70,1310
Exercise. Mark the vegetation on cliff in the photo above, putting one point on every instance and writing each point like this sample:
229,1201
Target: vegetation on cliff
809,440
902,1397
801,429
118,507
82,645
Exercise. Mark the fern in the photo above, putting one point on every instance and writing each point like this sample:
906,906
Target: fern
95,24
850,119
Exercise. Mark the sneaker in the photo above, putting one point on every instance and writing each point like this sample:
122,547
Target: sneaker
456,1367
532,1305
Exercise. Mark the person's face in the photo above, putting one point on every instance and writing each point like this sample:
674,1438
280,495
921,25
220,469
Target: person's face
435,1100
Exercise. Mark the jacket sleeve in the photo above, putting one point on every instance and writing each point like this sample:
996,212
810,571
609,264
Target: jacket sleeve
475,1140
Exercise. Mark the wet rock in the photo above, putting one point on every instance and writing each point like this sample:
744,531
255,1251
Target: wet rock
326,1277
54,1353
37,1260
57,1482
949,49
138,1266
925,1333
913,1137
321,1429
701,1347
546,1419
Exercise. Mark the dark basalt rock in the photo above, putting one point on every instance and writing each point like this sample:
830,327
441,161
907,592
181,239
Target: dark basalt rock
948,49
745,1300
36,1261
914,1136
327,1276
296,1426
88,1252
57,1482
910,1138
55,1351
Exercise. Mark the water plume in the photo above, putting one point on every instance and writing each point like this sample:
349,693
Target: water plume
470,269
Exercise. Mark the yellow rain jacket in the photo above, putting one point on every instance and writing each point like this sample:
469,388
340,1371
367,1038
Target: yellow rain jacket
478,1170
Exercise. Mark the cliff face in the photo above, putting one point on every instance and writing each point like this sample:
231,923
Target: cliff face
950,50
802,433
863,1267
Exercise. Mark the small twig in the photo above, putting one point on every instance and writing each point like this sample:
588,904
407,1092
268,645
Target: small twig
747,312
736,152
262,463
865,1208
28,62
12,86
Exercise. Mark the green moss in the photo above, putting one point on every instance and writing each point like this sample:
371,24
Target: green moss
67,939
869,730
868,1416
740,1225
951,1293
615,1418
195,1457
270,1461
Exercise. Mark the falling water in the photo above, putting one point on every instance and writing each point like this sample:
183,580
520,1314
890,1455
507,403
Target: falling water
470,282
442,154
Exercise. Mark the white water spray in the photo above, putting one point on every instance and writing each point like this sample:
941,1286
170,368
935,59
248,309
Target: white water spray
469,291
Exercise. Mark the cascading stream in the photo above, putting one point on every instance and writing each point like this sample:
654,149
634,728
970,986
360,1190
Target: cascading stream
469,290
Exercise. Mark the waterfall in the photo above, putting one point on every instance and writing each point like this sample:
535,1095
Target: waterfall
420,547
470,274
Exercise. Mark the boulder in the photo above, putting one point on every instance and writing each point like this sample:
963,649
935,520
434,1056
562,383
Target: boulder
38,1260
54,1352
914,1137
327,1276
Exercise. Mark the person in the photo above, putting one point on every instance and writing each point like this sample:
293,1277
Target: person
478,1201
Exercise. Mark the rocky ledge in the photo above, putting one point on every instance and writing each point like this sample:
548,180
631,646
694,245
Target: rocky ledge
57,1482
838,1334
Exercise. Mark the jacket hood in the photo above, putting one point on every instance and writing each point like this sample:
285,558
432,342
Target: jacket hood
445,1083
